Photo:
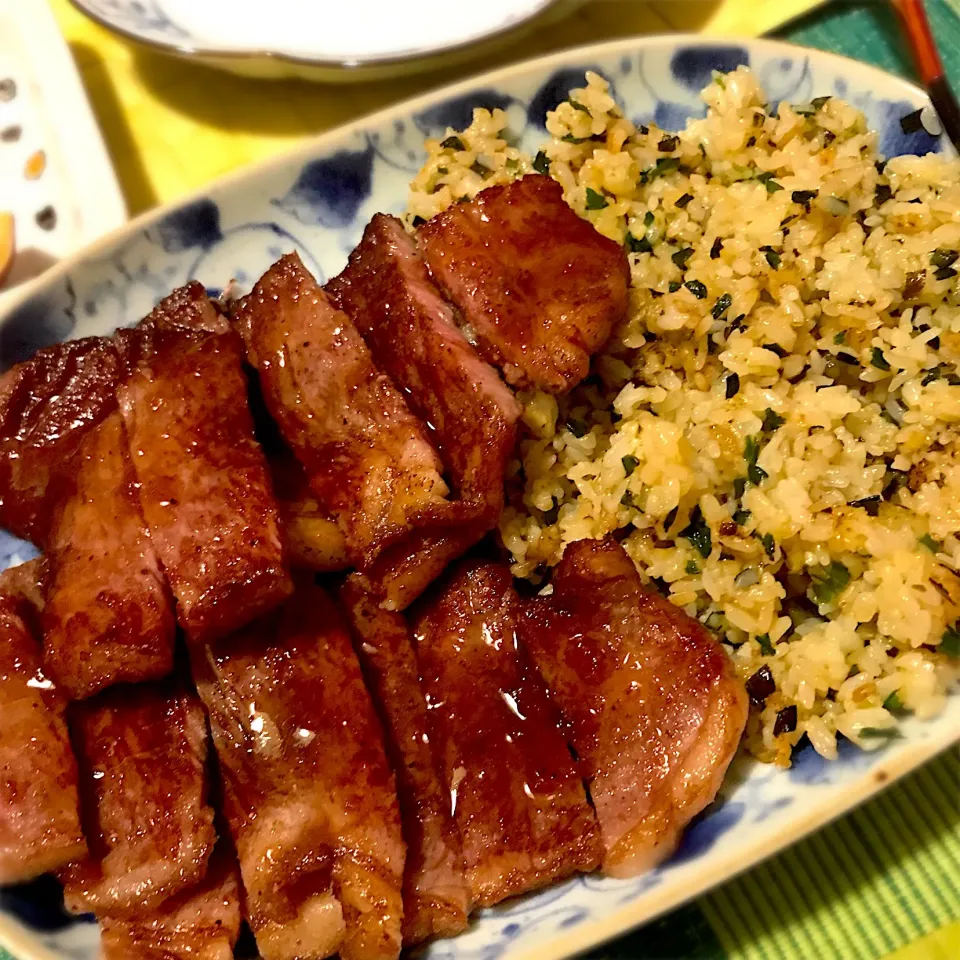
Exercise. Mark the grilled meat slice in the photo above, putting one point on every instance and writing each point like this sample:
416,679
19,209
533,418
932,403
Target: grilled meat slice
539,288
313,539
651,701
143,800
308,794
410,331
203,923
39,819
204,488
186,310
518,801
402,572
436,900
47,404
366,456
108,616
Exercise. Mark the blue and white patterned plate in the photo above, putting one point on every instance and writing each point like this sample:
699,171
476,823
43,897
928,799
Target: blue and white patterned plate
317,200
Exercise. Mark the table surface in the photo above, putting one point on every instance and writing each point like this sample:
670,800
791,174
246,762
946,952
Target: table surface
881,882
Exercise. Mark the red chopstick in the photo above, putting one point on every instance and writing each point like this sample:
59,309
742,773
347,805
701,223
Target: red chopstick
913,16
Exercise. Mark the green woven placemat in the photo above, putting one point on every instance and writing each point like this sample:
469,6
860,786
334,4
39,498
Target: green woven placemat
870,32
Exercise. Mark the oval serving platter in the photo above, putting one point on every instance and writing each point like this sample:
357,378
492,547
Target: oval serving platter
316,200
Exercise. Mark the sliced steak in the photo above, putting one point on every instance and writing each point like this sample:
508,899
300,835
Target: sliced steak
539,289
109,615
143,793
49,402
47,405
204,488
410,331
308,794
367,459
203,923
39,819
517,798
651,702
186,310
313,538
436,901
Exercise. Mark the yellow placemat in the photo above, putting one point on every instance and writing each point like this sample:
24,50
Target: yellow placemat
172,125
943,944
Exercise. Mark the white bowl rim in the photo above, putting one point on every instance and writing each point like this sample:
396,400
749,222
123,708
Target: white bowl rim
386,60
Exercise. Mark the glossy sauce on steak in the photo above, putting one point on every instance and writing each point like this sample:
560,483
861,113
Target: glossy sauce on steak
539,289
308,793
651,702
411,333
49,402
143,797
436,900
517,799
47,405
203,923
39,818
366,456
204,488
108,616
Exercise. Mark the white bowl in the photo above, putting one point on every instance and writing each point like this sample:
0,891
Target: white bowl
317,40
316,200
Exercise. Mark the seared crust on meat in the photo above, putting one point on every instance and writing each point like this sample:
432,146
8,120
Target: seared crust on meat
651,701
436,901
108,617
366,457
143,796
204,488
39,818
539,289
51,401
47,405
202,923
308,794
519,803
470,413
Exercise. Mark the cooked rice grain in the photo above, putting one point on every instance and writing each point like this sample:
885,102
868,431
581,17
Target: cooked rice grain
774,429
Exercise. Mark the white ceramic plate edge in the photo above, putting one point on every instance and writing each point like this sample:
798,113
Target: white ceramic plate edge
266,63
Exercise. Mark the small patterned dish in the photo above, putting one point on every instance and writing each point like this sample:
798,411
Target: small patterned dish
317,200
57,187
338,43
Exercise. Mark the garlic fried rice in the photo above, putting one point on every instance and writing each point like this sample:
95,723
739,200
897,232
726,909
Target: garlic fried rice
774,432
